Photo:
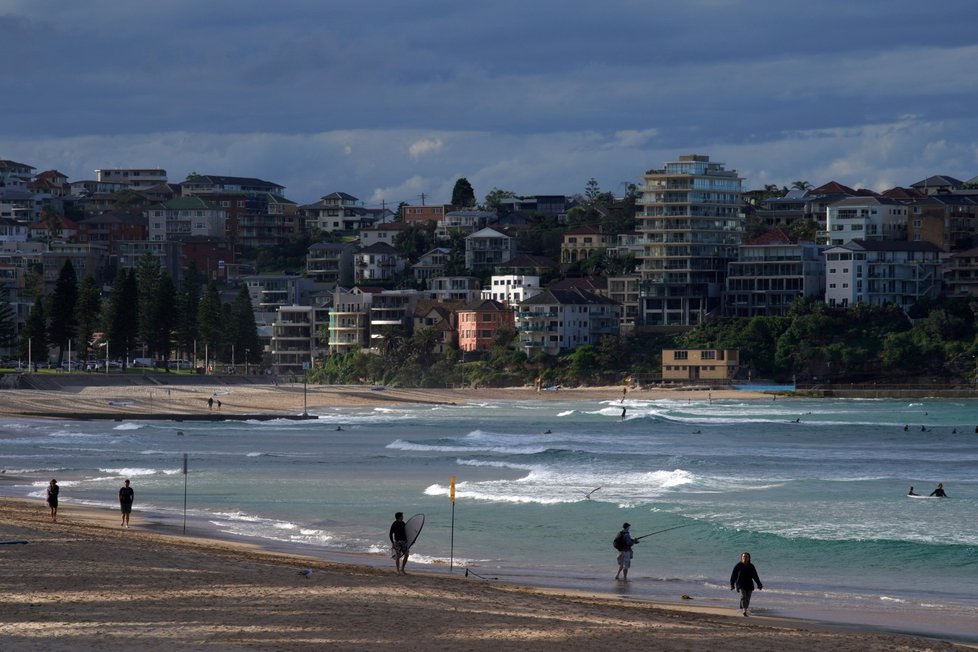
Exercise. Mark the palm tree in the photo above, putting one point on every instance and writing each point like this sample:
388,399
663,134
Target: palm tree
801,185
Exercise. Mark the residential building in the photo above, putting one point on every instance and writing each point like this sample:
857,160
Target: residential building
14,175
512,289
866,218
349,320
207,184
479,321
391,311
85,259
440,318
454,288
383,233
463,221
213,257
134,178
431,263
949,221
556,205
879,272
771,272
700,364
269,292
690,213
109,229
294,339
527,265
331,262
257,220
584,241
55,227
937,184
51,183
626,291
627,244
337,212
183,217
12,230
169,253
961,274
487,248
422,214
378,262
562,320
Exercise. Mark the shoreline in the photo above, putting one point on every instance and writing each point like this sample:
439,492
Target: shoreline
169,586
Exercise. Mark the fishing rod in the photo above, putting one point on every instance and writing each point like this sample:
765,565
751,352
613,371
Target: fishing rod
661,531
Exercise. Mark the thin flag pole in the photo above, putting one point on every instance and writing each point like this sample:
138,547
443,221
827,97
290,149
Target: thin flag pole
185,493
451,556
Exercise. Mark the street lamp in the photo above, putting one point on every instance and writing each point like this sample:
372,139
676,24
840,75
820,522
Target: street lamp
247,355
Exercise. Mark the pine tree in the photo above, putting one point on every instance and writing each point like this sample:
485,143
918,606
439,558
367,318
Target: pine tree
87,315
120,318
245,337
210,321
34,339
8,320
63,324
165,318
147,288
187,303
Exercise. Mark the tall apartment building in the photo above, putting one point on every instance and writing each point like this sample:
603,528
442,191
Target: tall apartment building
691,215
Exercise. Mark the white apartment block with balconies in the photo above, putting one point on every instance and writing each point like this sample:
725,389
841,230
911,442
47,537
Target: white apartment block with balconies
134,178
865,218
879,272
511,289
376,263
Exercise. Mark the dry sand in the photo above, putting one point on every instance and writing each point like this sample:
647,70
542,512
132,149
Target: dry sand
86,584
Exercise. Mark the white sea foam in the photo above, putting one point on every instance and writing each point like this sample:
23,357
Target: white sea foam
128,426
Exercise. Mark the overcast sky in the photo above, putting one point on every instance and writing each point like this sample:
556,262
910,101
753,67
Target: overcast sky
391,99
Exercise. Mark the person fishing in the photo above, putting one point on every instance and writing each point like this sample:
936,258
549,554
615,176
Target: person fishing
623,544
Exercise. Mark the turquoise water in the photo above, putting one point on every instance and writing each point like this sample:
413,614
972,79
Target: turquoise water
814,489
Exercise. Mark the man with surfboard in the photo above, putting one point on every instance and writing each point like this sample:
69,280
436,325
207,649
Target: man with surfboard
403,534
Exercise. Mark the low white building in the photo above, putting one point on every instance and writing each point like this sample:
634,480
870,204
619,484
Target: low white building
865,218
562,320
511,289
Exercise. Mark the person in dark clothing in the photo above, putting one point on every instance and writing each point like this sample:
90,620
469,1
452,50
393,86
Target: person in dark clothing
742,579
398,537
939,492
126,497
53,491
625,552
912,492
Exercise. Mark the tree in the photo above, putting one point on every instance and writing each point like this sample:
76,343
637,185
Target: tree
801,185
63,324
592,191
463,194
8,320
121,315
87,314
493,199
164,318
244,335
210,320
187,301
34,338
148,284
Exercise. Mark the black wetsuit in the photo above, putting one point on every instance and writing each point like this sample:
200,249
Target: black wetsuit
126,496
939,492
398,536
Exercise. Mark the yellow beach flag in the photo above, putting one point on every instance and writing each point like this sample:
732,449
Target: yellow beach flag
452,494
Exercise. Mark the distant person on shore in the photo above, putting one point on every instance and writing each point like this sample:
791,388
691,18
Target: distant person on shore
210,403
742,579
912,493
398,537
126,497
939,492
53,491
624,543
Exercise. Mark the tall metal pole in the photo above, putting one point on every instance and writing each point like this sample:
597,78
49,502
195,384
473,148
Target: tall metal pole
451,554
185,493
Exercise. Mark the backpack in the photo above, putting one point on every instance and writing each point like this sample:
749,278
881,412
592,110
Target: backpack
619,541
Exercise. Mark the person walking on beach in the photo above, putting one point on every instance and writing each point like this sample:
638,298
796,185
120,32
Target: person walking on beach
939,492
53,491
398,537
742,578
126,496
624,543
210,403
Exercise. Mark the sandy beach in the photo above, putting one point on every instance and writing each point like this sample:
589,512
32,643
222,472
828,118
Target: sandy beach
86,584
293,399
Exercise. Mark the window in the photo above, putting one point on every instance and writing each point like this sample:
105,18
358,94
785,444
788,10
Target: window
680,355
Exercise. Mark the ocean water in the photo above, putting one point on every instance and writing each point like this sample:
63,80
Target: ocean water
814,489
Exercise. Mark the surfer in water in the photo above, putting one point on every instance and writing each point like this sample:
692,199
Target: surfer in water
398,537
939,492
912,492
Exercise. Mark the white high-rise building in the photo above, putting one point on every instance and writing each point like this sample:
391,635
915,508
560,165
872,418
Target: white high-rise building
691,216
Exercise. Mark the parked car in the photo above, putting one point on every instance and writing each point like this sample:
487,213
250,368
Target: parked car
141,362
